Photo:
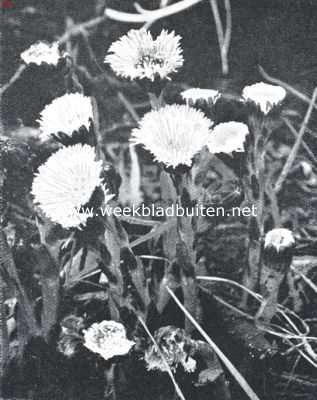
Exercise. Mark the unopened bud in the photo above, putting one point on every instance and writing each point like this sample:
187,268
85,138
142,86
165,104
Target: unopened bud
278,249
277,258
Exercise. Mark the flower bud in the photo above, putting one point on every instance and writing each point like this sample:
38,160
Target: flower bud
277,258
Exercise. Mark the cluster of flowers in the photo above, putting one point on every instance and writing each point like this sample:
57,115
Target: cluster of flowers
174,134
108,339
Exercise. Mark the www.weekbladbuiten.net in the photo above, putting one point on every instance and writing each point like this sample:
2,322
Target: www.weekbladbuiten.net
174,210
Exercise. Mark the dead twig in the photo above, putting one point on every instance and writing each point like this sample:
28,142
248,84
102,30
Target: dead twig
223,35
75,30
149,15
78,29
304,144
286,86
13,79
291,158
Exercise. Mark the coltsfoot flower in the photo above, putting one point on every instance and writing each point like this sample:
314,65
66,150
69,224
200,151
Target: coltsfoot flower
277,259
278,250
264,95
107,338
137,55
65,114
279,239
42,52
228,137
173,134
195,95
66,182
175,346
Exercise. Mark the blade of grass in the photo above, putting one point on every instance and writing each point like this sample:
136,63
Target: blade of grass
232,369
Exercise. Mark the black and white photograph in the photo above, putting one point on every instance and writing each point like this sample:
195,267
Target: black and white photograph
158,200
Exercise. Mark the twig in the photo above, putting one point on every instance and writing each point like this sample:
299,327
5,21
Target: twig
224,37
311,356
168,368
13,79
291,158
233,370
78,29
229,281
306,279
74,31
150,15
286,86
233,308
219,27
304,144
227,38
129,107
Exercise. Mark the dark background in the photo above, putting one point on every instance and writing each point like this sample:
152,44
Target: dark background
280,35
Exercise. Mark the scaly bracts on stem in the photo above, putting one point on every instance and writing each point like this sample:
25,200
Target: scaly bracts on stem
277,258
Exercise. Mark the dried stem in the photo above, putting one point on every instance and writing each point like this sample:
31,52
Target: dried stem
78,29
13,79
286,86
291,158
150,15
224,35
304,144
287,335
233,370
75,30
308,281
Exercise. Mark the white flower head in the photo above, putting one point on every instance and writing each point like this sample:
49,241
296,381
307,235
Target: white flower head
66,114
107,338
66,182
279,239
196,94
173,134
42,52
228,137
264,95
137,55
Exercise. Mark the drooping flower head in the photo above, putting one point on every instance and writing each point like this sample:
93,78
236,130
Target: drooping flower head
137,55
228,137
107,338
279,239
278,250
42,52
277,258
194,95
66,182
264,95
66,114
173,134
176,348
